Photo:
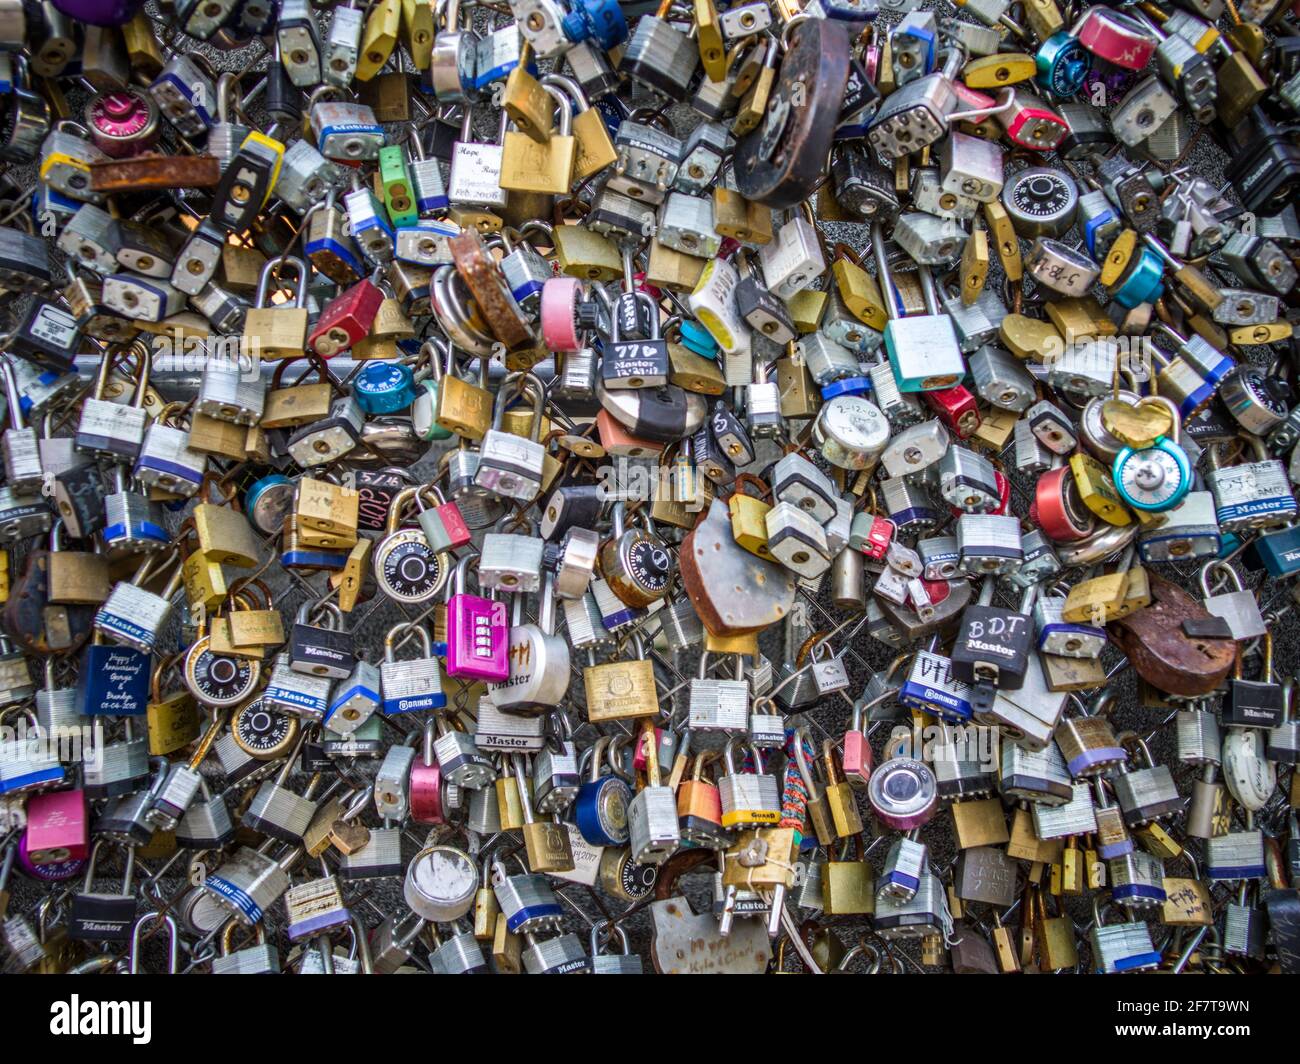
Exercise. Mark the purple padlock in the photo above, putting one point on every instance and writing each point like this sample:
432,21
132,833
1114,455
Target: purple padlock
478,632
55,872
100,12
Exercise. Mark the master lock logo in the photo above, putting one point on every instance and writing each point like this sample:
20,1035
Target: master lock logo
110,1018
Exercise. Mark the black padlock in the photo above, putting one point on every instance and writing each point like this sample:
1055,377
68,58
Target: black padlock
992,648
103,917
1255,703
570,506
317,650
780,162
1264,163
79,496
48,337
377,488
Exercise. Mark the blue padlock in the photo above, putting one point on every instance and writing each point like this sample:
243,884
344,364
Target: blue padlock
1063,64
600,808
694,337
113,681
384,387
599,19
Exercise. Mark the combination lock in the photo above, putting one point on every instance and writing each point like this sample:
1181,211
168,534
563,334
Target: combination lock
636,563
1153,478
1040,202
407,569
622,877
122,123
219,679
264,732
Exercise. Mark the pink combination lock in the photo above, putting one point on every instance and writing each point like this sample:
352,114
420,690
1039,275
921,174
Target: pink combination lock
559,312
478,633
57,827
425,784
123,123
1115,37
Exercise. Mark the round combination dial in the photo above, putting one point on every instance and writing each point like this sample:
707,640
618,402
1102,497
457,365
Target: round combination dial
1040,202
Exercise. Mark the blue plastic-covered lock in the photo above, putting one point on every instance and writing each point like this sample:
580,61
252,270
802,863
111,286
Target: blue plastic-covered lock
599,19
384,387
694,337
1278,552
846,386
113,681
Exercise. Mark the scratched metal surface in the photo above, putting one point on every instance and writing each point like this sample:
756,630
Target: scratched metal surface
379,897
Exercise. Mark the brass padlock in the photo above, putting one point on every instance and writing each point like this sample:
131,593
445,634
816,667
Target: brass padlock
298,403
277,331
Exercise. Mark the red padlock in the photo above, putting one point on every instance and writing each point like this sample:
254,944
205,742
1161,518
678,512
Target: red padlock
957,408
1116,37
1004,492
346,319
1058,509
876,542
1031,124
443,524
938,590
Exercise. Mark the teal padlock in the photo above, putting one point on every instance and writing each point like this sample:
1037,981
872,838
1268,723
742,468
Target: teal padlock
694,337
1158,476
1144,283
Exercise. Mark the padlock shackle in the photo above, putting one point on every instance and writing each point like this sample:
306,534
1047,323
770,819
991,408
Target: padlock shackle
173,947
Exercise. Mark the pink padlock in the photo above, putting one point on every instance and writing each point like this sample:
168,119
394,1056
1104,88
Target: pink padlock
56,827
559,312
425,786
638,750
478,632
857,753
972,100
